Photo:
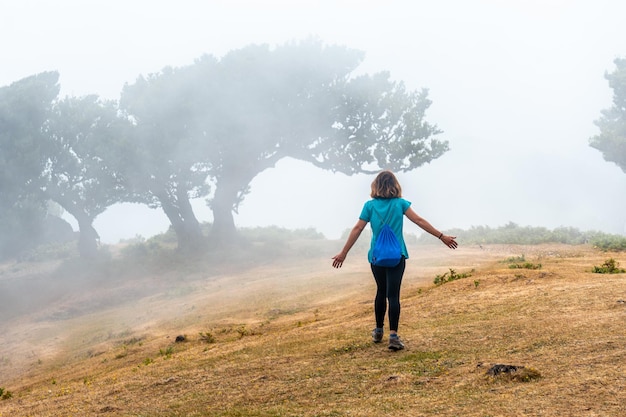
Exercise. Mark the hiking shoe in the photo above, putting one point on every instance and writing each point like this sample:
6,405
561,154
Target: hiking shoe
395,343
377,335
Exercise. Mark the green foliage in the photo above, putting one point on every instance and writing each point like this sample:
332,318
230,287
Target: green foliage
167,352
203,130
207,337
610,266
450,276
156,253
519,262
513,234
612,138
227,120
525,265
143,250
24,108
609,242
5,394
83,174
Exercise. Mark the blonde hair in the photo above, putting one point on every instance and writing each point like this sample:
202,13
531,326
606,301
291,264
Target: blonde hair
386,185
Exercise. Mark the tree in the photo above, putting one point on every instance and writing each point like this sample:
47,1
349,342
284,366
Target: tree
302,101
167,170
24,107
612,138
86,156
228,120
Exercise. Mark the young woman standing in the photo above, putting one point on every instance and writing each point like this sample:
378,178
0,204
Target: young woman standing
388,207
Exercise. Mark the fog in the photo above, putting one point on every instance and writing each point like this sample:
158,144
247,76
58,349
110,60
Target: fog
515,85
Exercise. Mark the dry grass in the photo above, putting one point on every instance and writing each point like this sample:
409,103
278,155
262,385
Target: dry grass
293,340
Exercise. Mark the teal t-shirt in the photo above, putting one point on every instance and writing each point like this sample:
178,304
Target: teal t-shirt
377,211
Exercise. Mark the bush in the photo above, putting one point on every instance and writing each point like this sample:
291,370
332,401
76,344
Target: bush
609,242
511,233
5,394
525,265
451,276
207,337
610,266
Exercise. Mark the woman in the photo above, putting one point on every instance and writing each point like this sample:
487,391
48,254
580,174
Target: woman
388,207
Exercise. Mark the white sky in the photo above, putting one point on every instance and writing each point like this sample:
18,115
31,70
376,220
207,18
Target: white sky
515,85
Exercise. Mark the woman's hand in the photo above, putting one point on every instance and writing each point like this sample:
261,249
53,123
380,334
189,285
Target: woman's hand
338,260
352,238
449,241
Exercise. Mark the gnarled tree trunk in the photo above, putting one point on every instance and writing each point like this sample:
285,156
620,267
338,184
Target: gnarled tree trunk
223,204
183,221
88,238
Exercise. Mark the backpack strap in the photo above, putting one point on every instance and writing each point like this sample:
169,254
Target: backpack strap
386,219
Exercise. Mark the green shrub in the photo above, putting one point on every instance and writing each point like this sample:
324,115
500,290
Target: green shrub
511,233
167,352
5,394
450,276
525,265
610,266
207,337
609,242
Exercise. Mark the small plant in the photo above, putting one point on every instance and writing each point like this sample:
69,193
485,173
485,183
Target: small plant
450,276
207,337
610,266
123,353
148,361
525,265
5,394
242,331
514,259
167,352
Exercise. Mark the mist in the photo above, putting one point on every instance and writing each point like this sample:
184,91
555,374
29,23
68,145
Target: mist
515,88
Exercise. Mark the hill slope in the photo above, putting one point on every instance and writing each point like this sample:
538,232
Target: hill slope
292,339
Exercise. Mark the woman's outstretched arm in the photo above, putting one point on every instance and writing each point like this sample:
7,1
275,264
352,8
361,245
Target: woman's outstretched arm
352,238
449,241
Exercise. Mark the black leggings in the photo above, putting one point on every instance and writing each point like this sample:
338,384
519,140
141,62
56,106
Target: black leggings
388,281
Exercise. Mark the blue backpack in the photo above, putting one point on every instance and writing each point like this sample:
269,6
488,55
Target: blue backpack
387,250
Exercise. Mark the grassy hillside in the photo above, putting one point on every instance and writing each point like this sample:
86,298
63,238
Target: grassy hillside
291,337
